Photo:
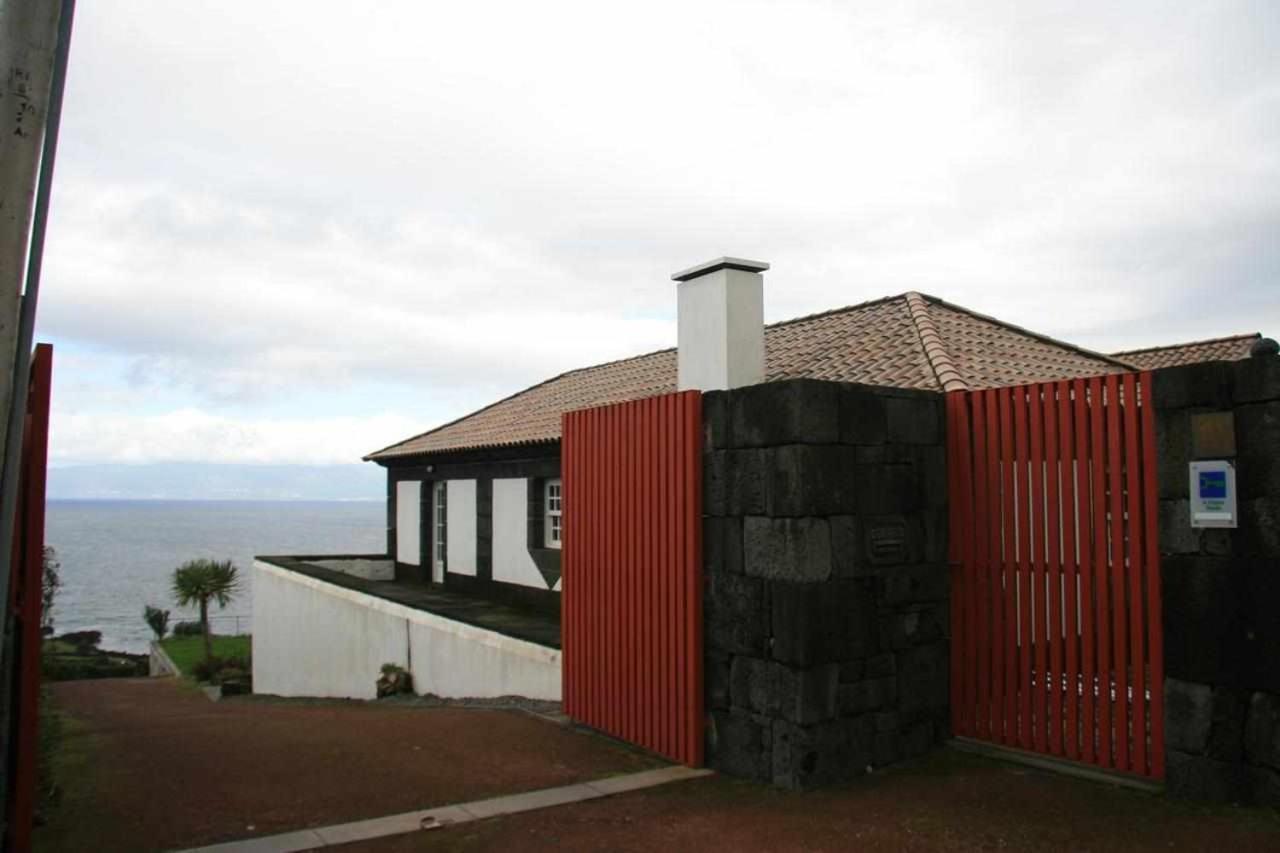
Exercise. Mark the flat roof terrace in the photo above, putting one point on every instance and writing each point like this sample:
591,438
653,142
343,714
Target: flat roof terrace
533,627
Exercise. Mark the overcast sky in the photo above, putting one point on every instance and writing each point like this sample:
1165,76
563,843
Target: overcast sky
298,231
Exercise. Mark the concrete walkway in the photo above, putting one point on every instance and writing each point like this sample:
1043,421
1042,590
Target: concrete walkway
438,818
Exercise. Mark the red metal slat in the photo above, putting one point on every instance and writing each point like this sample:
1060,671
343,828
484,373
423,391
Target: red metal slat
952,402
1102,571
981,563
1137,629
968,549
1008,569
1155,613
567,623
693,475
668,539
1085,568
994,561
27,570
1022,486
1116,573
633,604
1070,562
1053,572
646,555
678,529
1038,568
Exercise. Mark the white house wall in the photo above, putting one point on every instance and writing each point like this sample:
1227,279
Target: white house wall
460,533
408,495
312,638
511,560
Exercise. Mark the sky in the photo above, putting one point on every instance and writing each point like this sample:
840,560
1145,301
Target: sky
295,232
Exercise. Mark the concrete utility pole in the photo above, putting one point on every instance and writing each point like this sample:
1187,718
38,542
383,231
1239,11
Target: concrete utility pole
28,41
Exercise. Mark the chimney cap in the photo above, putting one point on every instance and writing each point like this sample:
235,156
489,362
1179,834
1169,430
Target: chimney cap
719,264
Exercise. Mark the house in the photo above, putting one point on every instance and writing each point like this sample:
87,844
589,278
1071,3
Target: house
474,504
830,543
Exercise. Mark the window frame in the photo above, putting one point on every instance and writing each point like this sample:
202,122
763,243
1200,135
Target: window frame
440,523
553,513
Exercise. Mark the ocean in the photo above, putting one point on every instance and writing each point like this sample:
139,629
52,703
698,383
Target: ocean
119,555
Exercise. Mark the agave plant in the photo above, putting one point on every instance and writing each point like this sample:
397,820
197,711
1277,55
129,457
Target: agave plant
201,581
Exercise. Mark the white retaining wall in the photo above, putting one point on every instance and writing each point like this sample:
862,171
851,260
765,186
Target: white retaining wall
312,638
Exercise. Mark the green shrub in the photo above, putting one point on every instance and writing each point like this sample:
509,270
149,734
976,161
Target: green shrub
206,669
188,629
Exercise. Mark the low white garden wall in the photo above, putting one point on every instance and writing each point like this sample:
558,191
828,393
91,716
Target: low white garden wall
312,638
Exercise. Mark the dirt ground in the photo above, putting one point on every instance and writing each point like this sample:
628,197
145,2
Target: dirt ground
153,764
948,801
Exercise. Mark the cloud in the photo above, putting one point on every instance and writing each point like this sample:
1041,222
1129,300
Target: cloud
194,435
450,202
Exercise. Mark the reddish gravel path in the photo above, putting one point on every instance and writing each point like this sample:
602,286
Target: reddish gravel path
948,801
153,764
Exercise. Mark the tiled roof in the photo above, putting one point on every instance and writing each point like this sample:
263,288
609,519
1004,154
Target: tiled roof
907,341
1233,348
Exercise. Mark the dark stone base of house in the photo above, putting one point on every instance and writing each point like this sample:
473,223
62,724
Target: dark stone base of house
826,600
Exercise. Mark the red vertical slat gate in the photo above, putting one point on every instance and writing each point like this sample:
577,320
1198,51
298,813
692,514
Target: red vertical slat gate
1057,645
632,579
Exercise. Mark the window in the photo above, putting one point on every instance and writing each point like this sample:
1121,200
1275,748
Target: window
554,520
442,516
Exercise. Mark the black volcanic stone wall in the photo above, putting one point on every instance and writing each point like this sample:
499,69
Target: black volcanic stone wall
826,599
1221,587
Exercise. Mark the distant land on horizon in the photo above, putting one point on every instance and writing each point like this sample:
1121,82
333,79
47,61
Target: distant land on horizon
218,482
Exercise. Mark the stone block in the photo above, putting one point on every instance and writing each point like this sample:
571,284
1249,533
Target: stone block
919,584
881,664
931,463
794,411
883,489
870,694
822,623
722,545
715,483
1265,785
715,421
740,744
1257,439
1226,732
848,558
792,549
886,748
863,415
779,691
924,625
1256,380
717,680
935,526
736,615
1204,384
923,673
1173,453
914,420
1204,619
806,757
919,738
1188,715
1177,536
1197,777
1262,730
812,479
1259,531
1216,541
748,474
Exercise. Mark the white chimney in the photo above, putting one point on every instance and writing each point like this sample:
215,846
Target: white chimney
720,309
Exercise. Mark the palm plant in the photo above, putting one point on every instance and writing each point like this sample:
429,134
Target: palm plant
202,581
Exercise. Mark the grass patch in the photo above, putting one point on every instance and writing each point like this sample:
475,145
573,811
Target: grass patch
186,652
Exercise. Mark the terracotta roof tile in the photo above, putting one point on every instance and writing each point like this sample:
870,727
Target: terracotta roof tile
1233,348
907,341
